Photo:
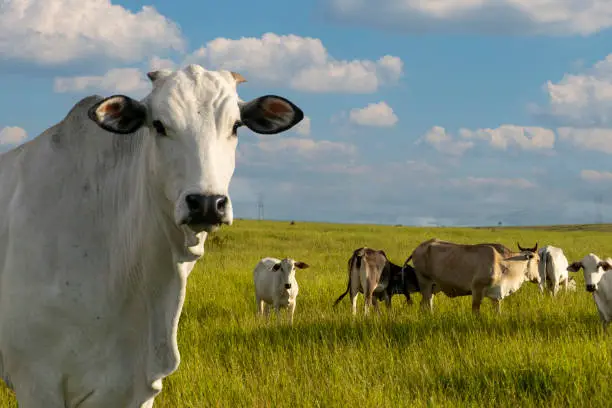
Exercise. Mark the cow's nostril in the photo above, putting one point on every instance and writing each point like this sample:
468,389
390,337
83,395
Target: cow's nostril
193,202
221,204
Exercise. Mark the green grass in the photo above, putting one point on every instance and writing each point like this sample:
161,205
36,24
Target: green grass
542,351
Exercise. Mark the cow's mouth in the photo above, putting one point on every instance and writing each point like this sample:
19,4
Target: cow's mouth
198,227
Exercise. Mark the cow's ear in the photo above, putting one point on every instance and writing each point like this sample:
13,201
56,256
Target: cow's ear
574,267
276,267
270,114
301,265
605,265
118,114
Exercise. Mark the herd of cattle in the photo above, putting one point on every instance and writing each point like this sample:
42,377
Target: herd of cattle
486,270
105,213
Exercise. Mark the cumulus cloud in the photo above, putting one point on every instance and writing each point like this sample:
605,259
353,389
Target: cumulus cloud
439,139
301,63
505,136
115,80
587,139
59,31
501,138
542,17
156,63
375,114
596,176
308,148
12,135
582,99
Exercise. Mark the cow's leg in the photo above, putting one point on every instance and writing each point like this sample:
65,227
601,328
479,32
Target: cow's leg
477,296
496,305
367,301
427,296
260,306
291,311
555,287
353,292
267,311
277,310
375,304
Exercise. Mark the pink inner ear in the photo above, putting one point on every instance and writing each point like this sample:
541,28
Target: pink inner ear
112,109
275,108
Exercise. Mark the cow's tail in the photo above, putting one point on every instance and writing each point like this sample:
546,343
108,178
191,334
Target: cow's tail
348,286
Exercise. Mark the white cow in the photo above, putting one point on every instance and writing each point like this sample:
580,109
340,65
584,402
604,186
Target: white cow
553,269
103,217
275,285
599,282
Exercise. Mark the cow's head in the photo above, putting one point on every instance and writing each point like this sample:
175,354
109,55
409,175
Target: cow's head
593,269
286,270
194,116
532,271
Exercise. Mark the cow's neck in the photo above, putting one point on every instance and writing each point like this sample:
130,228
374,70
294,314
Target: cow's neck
148,261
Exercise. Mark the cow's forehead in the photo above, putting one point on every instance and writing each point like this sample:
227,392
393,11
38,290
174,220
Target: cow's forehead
589,262
194,87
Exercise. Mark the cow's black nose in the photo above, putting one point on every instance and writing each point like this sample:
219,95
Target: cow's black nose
287,286
206,209
590,288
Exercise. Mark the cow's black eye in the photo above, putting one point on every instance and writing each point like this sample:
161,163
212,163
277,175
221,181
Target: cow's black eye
159,127
236,126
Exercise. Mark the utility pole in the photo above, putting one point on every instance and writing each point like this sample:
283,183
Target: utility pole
260,207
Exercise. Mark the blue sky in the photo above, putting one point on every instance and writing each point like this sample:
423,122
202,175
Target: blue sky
453,112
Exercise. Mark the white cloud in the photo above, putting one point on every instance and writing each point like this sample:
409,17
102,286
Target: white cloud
308,148
115,80
541,17
583,99
473,182
375,114
303,128
439,139
60,31
301,63
525,138
156,63
501,138
596,176
587,139
12,135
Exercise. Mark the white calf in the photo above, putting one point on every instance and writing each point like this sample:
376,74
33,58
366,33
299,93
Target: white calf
598,282
553,269
275,285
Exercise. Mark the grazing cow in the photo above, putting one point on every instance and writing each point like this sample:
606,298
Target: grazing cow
371,273
402,281
479,270
275,285
103,217
598,281
553,269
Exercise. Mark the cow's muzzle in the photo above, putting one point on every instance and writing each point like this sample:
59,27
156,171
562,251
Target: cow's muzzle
206,209
590,288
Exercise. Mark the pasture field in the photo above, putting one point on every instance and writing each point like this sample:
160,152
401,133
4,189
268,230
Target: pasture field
542,351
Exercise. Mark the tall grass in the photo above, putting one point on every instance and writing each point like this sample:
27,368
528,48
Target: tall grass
541,351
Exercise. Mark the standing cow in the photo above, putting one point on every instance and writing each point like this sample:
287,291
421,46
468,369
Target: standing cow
103,217
275,285
553,269
371,273
598,281
478,270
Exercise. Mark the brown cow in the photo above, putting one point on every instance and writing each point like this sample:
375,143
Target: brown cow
371,273
480,270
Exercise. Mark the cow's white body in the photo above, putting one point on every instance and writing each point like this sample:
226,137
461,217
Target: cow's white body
553,269
598,281
270,284
94,258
